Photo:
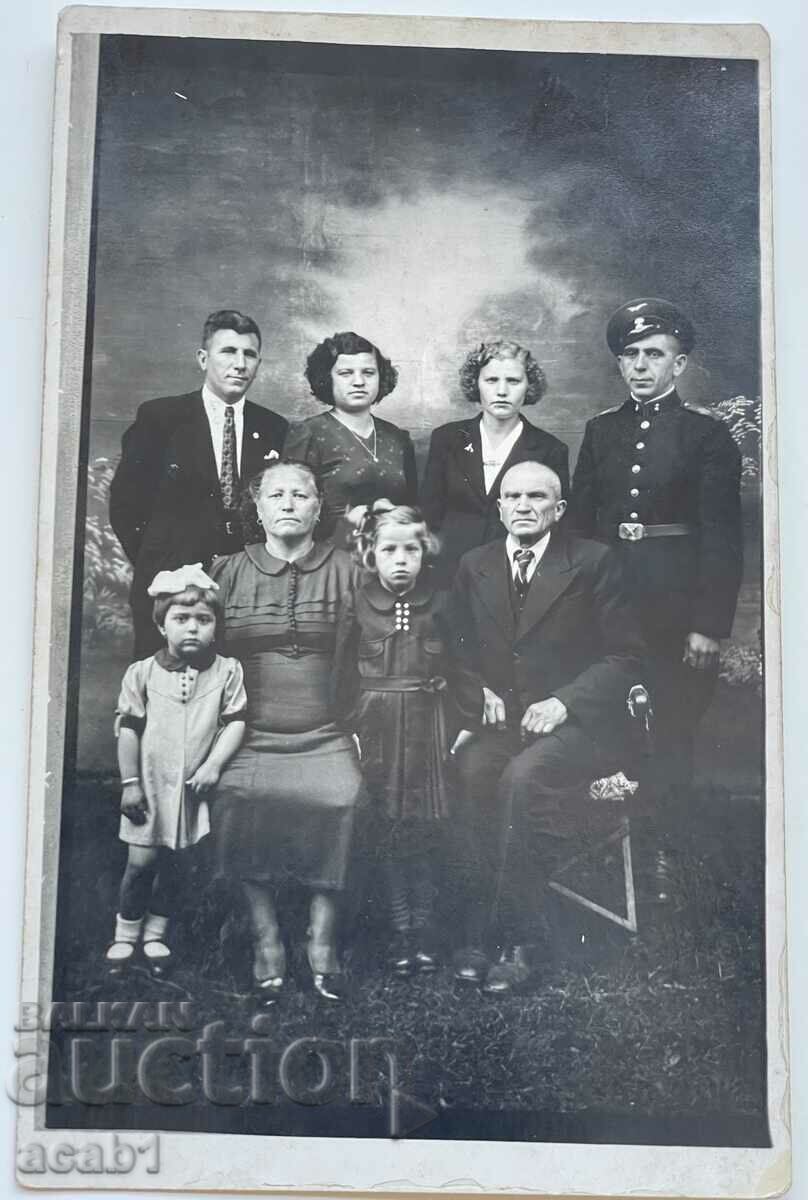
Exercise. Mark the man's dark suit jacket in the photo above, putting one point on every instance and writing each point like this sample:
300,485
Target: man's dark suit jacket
165,500
576,637
453,496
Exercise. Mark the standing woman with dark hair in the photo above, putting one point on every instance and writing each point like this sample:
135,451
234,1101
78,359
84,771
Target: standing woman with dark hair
358,457
468,459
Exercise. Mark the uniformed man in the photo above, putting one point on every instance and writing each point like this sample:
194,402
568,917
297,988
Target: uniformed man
660,479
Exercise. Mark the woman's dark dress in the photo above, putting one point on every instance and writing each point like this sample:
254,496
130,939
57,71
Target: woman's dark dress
402,723
285,804
347,470
453,495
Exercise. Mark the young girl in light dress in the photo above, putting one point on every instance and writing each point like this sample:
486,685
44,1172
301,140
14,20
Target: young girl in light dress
180,718
401,719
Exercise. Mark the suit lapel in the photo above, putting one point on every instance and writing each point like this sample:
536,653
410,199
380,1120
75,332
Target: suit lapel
470,461
493,587
199,444
553,576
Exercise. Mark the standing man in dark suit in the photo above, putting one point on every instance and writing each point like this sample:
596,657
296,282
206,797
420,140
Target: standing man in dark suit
175,495
659,479
548,651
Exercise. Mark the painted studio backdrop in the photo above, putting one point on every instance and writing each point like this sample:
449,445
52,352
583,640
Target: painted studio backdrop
430,199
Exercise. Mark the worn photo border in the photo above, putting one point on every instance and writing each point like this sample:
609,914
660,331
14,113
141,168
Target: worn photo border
228,1162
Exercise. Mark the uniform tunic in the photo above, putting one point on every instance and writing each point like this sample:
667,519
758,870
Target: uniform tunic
178,710
403,646
353,470
285,803
658,463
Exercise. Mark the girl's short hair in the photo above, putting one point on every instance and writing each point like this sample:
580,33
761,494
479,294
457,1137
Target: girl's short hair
185,599
323,357
481,356
383,514
251,527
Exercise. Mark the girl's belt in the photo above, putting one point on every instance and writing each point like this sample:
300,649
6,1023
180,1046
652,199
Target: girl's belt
403,683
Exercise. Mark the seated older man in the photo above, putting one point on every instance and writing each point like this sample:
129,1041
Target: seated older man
548,649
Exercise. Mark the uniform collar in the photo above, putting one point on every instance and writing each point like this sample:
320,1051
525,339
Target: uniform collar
384,601
169,663
268,564
654,408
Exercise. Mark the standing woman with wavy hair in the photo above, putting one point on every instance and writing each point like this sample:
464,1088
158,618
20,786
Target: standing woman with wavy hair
358,457
467,459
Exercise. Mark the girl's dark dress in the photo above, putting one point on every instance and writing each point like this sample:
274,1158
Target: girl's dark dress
401,713
353,470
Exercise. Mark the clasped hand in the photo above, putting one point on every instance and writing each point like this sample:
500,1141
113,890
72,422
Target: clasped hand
700,652
540,718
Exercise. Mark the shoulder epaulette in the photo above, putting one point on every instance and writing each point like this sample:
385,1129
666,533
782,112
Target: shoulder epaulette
614,408
701,410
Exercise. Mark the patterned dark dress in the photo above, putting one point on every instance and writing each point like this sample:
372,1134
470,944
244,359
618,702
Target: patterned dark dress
402,720
351,469
285,804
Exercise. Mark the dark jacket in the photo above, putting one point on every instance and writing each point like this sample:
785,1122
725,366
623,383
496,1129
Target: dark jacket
453,496
576,637
165,500
689,473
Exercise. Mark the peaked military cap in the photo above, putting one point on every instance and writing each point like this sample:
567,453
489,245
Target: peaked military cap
644,317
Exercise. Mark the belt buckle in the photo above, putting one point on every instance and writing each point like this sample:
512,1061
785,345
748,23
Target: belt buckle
631,531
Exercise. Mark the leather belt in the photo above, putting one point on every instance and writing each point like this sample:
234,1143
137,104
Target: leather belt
402,683
634,531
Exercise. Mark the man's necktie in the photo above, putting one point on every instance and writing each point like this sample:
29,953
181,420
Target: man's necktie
523,559
228,476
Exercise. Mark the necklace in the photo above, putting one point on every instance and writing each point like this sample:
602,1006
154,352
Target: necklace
363,442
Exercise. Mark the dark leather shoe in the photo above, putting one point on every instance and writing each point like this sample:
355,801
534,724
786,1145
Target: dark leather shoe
159,966
331,985
120,962
401,955
267,992
469,966
510,974
427,959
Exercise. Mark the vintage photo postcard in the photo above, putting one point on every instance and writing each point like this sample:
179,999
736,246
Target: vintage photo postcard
405,803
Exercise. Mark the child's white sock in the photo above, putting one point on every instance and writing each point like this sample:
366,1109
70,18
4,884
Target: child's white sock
154,931
126,937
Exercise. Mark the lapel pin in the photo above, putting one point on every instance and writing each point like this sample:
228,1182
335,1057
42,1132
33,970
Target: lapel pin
469,449
256,434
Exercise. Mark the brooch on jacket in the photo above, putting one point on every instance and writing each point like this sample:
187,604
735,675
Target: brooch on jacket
469,449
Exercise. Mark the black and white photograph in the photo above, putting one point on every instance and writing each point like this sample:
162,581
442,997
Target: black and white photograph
410,775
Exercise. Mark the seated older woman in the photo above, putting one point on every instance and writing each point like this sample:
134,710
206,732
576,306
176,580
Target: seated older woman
285,804
468,459
358,457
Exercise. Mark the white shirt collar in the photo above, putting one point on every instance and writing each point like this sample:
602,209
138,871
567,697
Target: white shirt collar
495,456
215,405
